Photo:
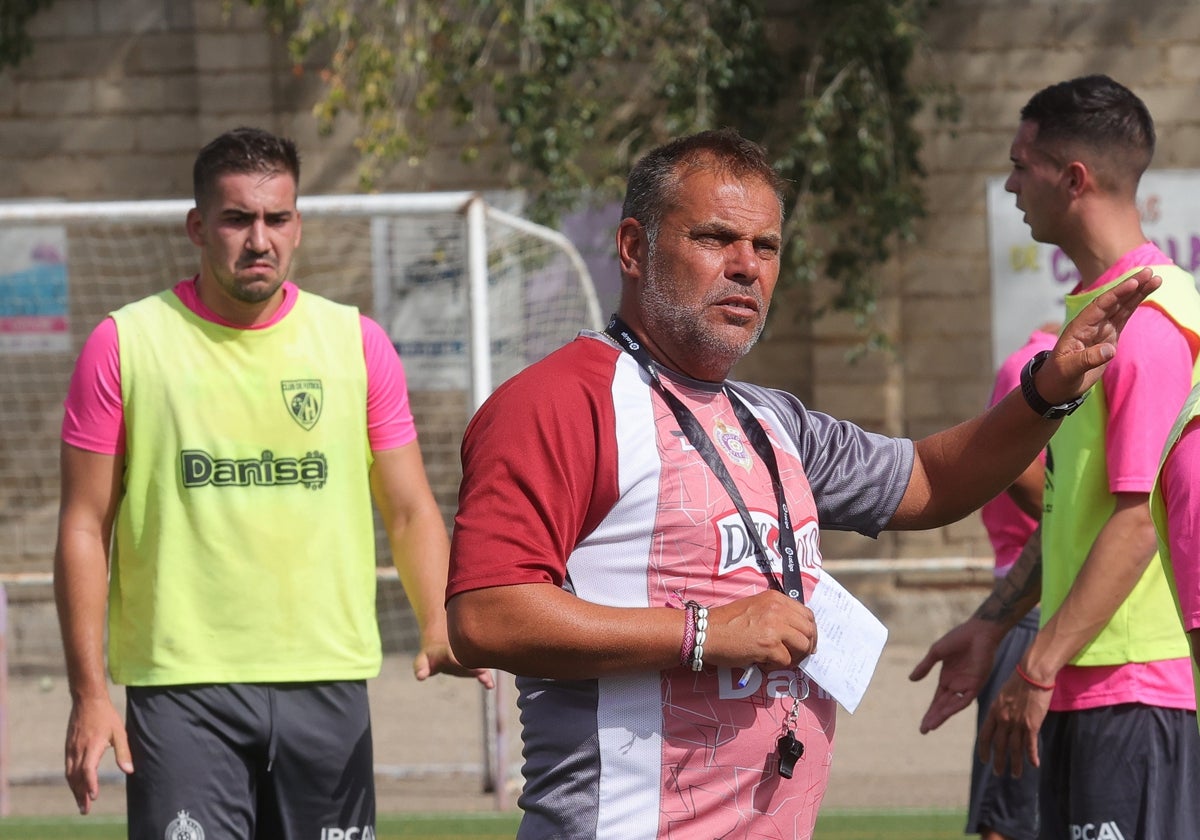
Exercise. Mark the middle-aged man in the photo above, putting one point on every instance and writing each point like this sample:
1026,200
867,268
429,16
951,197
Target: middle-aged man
1107,682
601,551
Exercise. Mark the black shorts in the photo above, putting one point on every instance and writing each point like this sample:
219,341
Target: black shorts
1000,802
283,761
1127,772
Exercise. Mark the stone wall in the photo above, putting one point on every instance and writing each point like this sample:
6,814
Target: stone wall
119,94
936,306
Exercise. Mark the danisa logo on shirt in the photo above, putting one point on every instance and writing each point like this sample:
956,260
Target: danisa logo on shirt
199,468
779,684
303,398
735,549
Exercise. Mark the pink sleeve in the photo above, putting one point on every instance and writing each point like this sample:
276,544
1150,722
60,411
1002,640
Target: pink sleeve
1181,490
1145,384
93,414
1009,376
1008,527
389,415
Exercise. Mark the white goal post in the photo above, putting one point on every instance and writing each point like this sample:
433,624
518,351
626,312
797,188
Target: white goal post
469,293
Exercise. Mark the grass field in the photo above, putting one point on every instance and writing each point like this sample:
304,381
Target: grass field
874,825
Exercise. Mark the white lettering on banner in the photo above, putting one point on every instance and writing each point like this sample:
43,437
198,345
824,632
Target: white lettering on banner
1091,831
735,549
785,682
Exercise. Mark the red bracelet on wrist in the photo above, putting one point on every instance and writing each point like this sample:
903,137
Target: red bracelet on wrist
1021,673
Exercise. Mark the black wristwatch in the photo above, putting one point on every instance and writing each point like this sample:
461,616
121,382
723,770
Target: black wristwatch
1039,405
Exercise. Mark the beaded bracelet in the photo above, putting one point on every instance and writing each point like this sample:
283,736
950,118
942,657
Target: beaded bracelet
689,634
1021,673
701,635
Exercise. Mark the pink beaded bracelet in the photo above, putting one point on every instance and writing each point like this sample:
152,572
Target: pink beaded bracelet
689,634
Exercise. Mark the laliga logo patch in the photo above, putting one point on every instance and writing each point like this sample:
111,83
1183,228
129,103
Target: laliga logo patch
730,439
303,400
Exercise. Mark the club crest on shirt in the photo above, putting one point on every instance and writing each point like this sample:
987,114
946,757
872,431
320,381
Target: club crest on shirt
303,398
729,438
183,827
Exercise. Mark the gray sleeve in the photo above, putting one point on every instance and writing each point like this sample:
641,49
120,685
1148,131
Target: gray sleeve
857,477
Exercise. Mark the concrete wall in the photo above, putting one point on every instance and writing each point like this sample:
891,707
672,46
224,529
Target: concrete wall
119,94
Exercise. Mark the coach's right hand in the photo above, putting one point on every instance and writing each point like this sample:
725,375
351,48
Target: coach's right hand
767,629
94,726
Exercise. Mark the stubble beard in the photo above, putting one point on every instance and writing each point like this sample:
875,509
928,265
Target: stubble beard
687,326
254,293
255,289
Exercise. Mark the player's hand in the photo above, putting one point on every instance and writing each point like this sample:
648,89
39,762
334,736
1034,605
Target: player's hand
439,659
1089,340
966,654
1011,729
94,726
767,629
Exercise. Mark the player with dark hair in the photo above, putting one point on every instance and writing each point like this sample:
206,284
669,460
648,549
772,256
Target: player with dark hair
1105,686
242,151
222,443
626,510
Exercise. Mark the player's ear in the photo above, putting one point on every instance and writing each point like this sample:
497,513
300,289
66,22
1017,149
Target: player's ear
633,248
1078,177
195,226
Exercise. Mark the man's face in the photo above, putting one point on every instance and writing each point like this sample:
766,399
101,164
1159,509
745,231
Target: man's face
1037,182
709,277
247,229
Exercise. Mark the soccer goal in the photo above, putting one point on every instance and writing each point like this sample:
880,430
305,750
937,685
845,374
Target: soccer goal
469,293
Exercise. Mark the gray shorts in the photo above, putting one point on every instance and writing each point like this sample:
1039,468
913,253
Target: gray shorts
286,761
1000,802
1127,772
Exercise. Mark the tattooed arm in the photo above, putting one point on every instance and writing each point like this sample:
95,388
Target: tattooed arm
967,651
1019,591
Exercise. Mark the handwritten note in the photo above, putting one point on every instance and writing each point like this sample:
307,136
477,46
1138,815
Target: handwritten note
850,641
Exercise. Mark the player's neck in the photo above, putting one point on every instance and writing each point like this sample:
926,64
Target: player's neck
1101,245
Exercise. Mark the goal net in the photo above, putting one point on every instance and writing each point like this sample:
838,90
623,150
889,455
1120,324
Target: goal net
469,293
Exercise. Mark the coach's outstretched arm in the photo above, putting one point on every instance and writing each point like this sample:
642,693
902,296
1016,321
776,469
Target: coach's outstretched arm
90,489
957,470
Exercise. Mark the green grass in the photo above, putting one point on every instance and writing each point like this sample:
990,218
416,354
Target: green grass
867,825
885,825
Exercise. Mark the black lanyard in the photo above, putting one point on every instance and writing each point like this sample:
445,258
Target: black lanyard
792,584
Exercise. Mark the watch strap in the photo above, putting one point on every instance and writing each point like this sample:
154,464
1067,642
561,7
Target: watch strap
1035,400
